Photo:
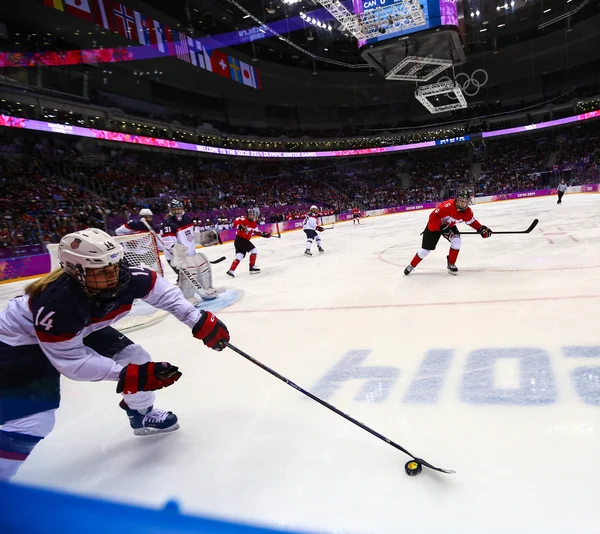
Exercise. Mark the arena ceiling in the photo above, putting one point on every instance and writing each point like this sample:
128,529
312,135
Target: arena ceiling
489,25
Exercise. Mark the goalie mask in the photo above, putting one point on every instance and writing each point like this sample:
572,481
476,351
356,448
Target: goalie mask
462,200
176,209
95,260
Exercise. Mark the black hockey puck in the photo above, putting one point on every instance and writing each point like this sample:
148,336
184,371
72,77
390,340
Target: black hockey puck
413,468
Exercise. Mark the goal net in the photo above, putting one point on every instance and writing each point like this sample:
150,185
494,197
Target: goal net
140,251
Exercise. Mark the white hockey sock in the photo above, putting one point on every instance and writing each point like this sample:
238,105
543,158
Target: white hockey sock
9,468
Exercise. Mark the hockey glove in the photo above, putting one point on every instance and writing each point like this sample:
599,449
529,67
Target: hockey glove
242,228
149,376
211,331
484,232
266,234
320,228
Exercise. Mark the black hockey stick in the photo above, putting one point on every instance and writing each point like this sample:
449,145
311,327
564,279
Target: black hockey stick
531,227
336,410
219,260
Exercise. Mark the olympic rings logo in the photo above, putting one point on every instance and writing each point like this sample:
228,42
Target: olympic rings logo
471,84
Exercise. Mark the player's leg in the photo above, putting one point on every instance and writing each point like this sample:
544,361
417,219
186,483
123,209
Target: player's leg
310,237
29,397
253,255
429,242
143,417
200,266
455,242
318,241
240,253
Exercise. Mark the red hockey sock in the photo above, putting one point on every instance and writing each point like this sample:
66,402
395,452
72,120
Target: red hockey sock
252,260
234,265
416,260
452,256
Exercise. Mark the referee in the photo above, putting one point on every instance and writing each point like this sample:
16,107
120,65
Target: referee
562,187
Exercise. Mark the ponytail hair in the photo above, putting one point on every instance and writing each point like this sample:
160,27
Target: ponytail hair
37,287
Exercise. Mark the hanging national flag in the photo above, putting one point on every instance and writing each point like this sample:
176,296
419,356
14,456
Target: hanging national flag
219,63
170,37
102,13
198,54
79,8
56,4
181,47
234,67
125,21
249,75
159,36
143,25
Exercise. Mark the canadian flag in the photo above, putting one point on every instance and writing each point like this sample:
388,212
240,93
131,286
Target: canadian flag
79,8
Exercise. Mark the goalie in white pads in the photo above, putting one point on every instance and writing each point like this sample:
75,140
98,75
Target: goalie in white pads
180,251
311,227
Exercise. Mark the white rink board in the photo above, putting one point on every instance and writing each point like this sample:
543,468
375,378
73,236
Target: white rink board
475,373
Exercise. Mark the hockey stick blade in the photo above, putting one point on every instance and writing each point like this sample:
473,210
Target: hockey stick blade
335,410
219,260
531,227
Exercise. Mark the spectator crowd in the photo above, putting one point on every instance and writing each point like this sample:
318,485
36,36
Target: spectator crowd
49,186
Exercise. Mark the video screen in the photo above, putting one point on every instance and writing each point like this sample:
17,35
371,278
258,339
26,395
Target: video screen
437,13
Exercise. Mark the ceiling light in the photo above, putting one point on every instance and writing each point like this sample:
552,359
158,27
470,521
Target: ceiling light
501,25
546,10
477,12
512,4
498,8
246,17
472,14
483,30
326,49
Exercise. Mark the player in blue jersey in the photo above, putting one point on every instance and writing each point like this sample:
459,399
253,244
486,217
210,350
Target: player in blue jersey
136,226
61,326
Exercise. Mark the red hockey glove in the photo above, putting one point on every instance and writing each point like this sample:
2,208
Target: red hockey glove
211,331
320,228
484,232
265,234
149,376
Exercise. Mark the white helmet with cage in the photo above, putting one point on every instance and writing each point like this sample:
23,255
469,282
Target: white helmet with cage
146,213
90,249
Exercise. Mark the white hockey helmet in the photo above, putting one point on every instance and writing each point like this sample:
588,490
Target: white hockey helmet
90,249
145,212
314,208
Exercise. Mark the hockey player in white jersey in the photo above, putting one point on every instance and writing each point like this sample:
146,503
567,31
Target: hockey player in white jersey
62,326
177,233
311,227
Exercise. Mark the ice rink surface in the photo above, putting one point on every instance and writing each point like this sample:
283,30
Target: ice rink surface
494,373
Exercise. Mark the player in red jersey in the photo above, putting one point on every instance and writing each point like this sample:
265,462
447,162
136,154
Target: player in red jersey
247,226
442,222
355,216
